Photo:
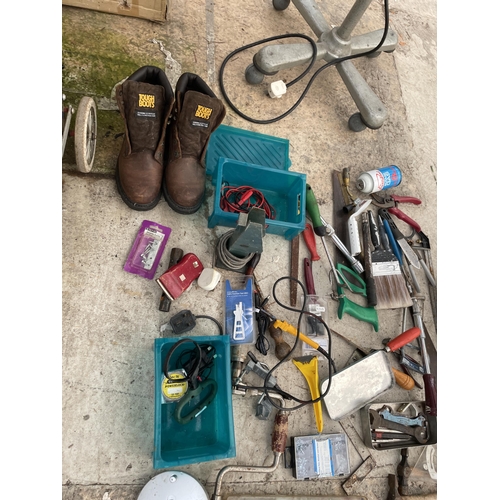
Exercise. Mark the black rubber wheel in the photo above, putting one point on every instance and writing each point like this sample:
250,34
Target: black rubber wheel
356,123
253,76
85,134
281,4
373,55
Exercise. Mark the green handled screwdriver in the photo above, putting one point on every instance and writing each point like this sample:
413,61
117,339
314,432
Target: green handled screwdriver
322,228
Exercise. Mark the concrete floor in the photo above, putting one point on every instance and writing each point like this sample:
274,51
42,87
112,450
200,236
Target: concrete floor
111,318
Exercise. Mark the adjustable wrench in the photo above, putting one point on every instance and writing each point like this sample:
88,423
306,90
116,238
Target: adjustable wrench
387,414
418,432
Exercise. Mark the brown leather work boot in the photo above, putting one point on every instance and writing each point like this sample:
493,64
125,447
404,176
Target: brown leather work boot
145,100
197,113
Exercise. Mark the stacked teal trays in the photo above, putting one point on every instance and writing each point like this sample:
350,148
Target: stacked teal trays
237,157
248,147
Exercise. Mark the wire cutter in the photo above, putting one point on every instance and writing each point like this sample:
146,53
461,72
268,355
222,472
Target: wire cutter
391,203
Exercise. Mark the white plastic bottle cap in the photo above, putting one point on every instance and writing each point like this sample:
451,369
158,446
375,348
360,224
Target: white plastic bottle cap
208,279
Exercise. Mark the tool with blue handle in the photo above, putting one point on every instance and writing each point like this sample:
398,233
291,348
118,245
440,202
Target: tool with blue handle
400,239
392,242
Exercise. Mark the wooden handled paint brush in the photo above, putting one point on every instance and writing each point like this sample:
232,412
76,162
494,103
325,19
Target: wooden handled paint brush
389,280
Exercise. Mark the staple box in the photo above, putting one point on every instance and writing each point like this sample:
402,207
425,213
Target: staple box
284,191
210,435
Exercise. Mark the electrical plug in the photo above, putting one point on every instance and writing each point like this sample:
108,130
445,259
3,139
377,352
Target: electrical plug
277,89
181,322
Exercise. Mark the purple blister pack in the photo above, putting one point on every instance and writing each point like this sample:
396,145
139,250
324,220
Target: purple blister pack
147,249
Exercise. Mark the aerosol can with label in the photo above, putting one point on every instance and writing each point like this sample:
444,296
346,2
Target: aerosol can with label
378,180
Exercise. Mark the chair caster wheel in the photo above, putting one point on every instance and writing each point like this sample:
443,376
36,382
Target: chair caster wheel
356,123
281,4
253,76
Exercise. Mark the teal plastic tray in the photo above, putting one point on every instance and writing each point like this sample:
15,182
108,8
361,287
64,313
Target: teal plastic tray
249,147
285,191
210,436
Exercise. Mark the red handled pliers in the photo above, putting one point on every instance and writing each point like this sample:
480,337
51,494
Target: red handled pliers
391,203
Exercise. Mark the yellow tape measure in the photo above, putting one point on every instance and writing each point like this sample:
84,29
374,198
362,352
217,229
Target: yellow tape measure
171,388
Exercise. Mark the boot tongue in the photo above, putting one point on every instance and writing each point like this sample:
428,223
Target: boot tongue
199,117
144,109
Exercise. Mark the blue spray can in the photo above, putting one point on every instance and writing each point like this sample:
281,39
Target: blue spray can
378,180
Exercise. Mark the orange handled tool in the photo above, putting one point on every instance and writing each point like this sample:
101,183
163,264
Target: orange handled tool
402,379
402,339
310,240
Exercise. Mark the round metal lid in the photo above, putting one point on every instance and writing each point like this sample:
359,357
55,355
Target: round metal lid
173,485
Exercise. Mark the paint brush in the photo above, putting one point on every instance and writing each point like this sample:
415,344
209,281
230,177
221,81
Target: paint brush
390,284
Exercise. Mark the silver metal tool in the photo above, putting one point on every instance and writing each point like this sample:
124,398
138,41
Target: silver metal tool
278,446
261,369
264,408
264,405
405,360
398,236
418,432
387,414
413,276
339,278
356,265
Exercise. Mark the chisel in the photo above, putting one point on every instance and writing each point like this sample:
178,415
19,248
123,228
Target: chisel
294,269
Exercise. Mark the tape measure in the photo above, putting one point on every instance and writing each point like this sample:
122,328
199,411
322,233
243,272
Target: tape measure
171,389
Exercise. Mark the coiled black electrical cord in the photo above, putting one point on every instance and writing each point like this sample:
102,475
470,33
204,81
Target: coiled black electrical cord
331,364
303,74
195,362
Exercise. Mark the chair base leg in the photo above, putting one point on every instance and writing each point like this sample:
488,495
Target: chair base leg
373,111
330,46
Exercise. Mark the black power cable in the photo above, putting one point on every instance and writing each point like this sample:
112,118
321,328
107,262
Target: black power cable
331,364
262,343
302,75
198,361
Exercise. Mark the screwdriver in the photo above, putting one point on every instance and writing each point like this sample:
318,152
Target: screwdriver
310,241
313,211
322,229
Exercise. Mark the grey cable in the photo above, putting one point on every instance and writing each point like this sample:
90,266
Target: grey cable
227,258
